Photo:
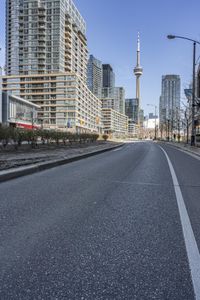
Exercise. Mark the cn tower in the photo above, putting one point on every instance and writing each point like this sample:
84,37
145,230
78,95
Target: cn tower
138,71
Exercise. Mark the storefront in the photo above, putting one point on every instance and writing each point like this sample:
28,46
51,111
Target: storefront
18,112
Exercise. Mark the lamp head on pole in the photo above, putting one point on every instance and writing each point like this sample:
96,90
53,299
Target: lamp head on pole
171,36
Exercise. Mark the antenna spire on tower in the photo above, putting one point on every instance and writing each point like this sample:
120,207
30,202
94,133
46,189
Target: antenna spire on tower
138,42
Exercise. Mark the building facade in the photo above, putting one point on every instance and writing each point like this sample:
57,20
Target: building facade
114,98
151,121
114,123
65,100
18,112
170,102
120,99
108,76
132,109
45,36
94,76
46,63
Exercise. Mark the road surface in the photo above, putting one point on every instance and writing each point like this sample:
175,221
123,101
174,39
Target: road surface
107,227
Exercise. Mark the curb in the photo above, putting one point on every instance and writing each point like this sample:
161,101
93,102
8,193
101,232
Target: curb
23,171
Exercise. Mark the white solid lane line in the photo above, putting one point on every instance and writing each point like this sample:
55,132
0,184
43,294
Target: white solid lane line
190,241
189,153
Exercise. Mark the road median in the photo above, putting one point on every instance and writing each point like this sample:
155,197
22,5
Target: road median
6,175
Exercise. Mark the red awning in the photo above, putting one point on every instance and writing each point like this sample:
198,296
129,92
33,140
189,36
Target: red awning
27,126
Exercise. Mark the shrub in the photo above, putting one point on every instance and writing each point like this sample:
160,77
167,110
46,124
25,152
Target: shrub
95,137
5,135
18,135
105,137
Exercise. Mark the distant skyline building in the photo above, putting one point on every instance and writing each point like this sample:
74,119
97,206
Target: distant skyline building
170,100
120,99
151,121
131,109
114,98
132,112
108,76
138,71
94,76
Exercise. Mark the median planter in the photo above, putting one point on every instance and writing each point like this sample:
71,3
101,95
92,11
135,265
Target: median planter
17,136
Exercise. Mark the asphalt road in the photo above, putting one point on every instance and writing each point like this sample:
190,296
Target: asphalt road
107,227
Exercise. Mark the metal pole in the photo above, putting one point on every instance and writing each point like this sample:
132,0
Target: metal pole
179,130
32,120
168,129
193,96
172,119
155,123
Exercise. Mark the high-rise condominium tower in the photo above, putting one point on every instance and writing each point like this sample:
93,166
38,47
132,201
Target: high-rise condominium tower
94,76
170,100
45,36
120,99
46,63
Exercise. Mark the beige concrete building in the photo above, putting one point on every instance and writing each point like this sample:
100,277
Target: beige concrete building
65,100
114,123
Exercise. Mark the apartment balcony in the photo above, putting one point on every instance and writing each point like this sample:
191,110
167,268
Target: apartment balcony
41,68
41,17
67,51
68,34
41,56
68,39
41,64
69,46
68,20
41,9
41,43
67,69
68,63
68,55
41,35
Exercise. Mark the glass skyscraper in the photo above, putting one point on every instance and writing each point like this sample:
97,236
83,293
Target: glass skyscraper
170,100
94,76
108,76
132,108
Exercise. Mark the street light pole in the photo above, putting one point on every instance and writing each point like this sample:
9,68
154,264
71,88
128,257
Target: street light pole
168,129
155,122
194,82
193,95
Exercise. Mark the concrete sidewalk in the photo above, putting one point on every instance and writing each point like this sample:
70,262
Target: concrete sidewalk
29,163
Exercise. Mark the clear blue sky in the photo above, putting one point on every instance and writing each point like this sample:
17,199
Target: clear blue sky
112,27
